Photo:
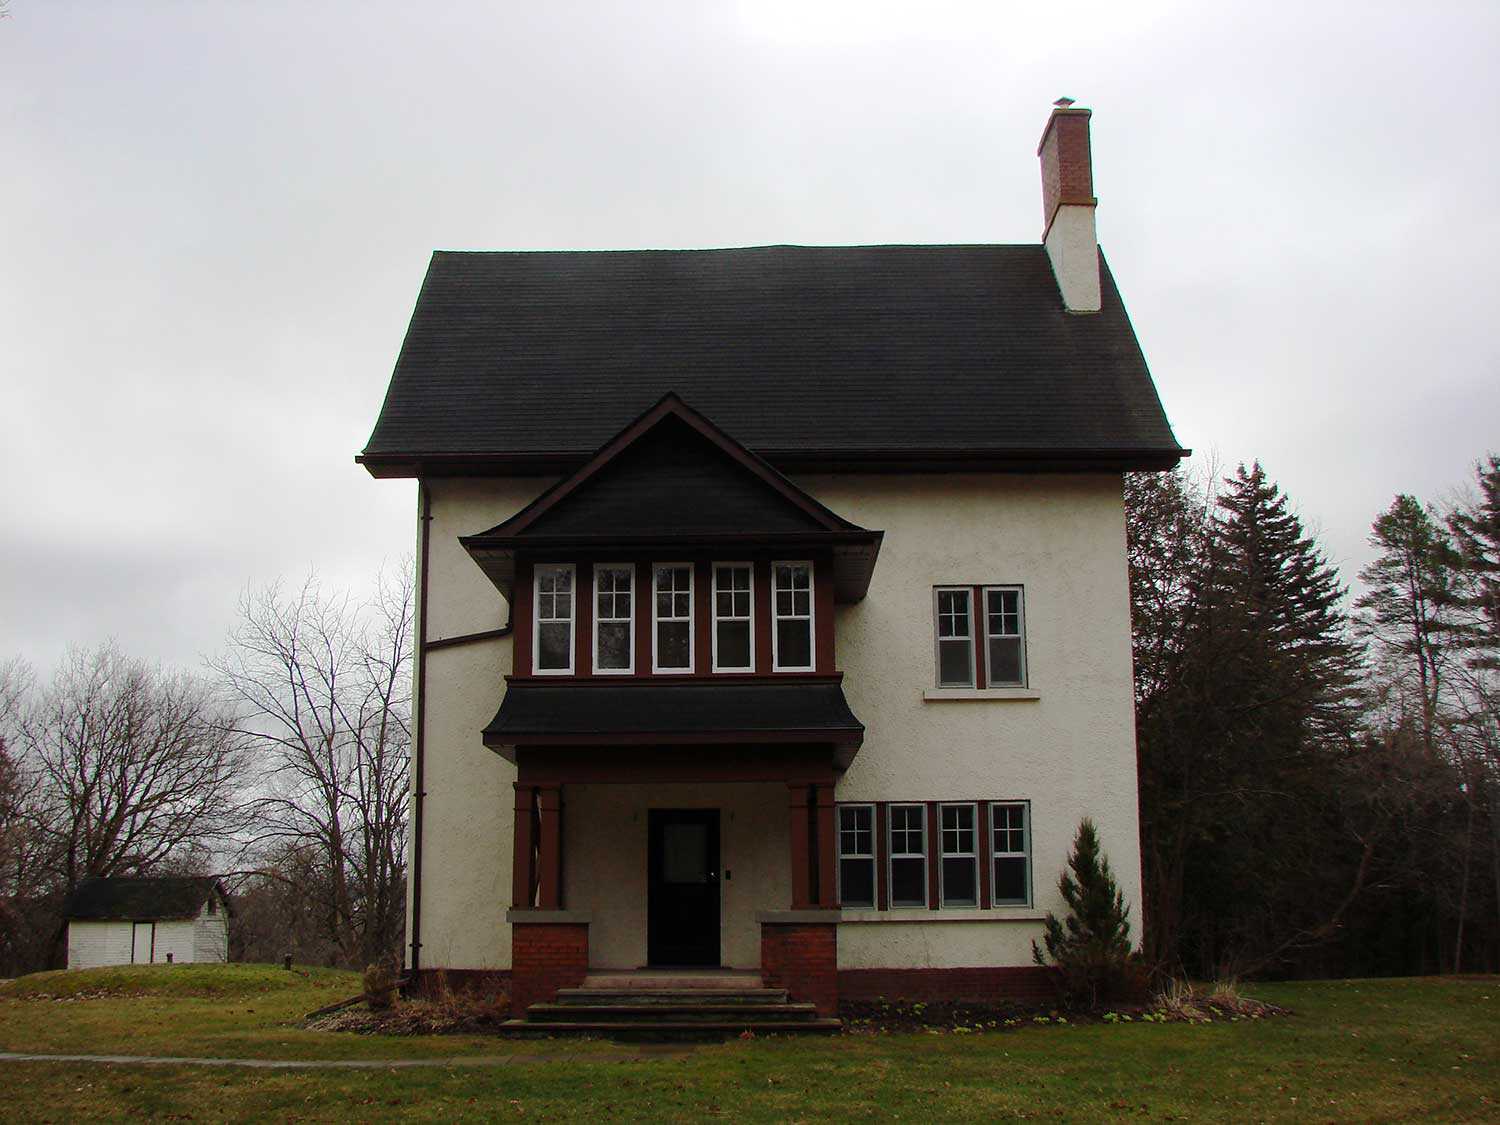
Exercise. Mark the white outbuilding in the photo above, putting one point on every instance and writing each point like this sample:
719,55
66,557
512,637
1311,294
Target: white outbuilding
178,920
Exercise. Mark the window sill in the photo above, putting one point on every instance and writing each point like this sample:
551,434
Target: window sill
976,695
947,914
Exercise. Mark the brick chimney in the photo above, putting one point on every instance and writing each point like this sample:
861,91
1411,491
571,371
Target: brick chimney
1068,207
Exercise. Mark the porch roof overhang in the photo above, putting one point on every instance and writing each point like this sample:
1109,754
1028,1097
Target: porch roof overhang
594,714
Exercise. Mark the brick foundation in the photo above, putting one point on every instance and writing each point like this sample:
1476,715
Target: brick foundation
803,959
545,957
1024,983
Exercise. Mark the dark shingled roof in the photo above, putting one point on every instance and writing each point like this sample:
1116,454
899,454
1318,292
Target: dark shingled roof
597,714
805,354
140,900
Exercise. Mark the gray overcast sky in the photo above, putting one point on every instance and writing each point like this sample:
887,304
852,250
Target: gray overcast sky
214,219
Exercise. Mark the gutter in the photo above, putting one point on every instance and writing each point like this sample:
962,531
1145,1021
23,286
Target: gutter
419,793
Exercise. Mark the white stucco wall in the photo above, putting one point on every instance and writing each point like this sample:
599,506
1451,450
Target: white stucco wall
604,865
1073,249
1070,751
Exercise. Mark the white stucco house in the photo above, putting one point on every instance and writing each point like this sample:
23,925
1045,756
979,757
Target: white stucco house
141,921
773,609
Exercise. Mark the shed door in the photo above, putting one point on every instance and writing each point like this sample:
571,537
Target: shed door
143,935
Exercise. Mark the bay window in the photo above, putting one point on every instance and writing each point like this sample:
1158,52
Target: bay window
734,631
553,594
792,616
672,640
614,620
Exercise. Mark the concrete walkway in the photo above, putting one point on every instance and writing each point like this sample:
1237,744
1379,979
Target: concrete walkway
640,1055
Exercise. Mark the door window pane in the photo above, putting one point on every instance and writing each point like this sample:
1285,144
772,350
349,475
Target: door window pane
684,853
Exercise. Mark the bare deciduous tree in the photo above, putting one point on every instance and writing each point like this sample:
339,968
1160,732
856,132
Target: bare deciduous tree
324,687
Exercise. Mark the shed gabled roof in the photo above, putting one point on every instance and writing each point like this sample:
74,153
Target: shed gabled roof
99,899
671,477
812,356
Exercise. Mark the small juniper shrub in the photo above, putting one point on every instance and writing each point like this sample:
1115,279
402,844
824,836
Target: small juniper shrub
1090,946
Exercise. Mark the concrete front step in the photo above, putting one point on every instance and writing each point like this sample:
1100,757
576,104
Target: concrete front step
665,1029
671,1013
744,996
665,979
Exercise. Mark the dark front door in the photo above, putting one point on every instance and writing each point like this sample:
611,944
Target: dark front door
682,904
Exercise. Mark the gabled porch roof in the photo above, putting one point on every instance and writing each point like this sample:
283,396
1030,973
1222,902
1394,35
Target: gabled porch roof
672,479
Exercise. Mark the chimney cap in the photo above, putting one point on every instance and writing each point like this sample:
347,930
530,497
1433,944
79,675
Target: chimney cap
1063,103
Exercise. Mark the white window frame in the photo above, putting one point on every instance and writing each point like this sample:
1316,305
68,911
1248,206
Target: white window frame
1025,807
811,618
629,668
714,618
692,592
938,639
989,672
536,618
873,857
891,855
943,855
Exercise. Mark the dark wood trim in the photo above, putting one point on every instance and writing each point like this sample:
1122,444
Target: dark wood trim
703,652
934,846
823,648
470,638
645,620
762,611
977,626
699,678
583,619
549,803
799,824
805,764
522,878
522,619
982,851
882,858
827,848
486,464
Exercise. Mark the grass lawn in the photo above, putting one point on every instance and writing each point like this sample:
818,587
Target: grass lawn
1353,1050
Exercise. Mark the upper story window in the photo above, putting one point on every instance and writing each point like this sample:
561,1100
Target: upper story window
734,629
980,636
672,639
614,619
955,637
1005,634
792,616
554,620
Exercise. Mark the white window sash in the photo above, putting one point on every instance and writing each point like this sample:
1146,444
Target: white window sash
1019,634
809,617
656,619
536,617
995,853
892,855
869,857
715,618
938,640
944,854
629,668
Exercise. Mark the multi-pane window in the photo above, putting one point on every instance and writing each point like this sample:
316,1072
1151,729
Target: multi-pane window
672,645
614,634
554,620
1011,850
857,855
959,854
908,832
792,613
955,637
733,603
1005,635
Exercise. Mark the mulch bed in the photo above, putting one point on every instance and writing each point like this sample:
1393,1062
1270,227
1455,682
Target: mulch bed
881,1017
413,1017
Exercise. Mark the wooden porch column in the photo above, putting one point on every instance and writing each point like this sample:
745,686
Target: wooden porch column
523,873
549,889
797,794
827,848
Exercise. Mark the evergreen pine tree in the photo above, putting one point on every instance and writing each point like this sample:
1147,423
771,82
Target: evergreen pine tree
1401,610
1476,537
1091,945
